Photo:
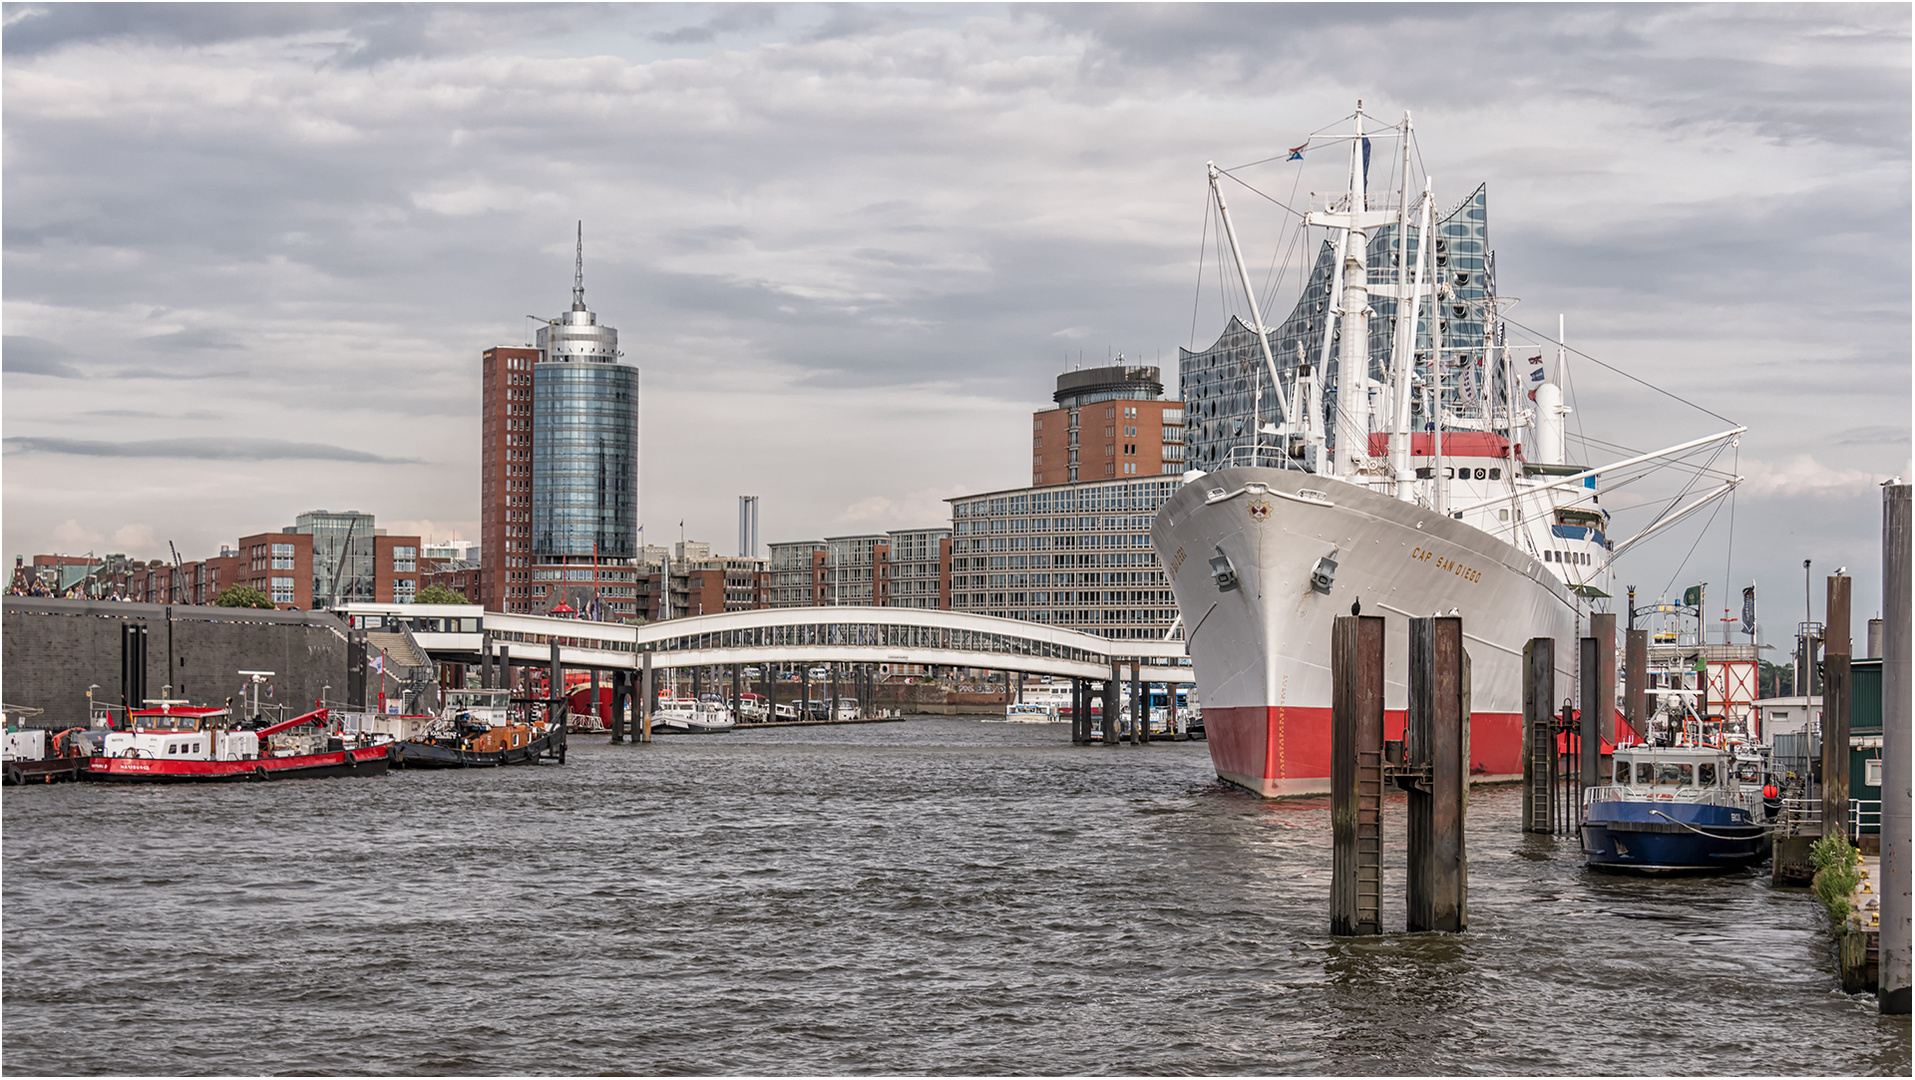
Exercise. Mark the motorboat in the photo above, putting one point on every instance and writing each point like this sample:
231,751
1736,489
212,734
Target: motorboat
691,717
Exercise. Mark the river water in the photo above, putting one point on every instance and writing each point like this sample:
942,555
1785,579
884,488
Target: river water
940,895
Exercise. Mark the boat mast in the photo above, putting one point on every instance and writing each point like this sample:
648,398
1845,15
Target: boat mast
1353,364
1403,364
1256,316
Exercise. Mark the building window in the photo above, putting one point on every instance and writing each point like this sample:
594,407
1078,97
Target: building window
282,556
403,590
405,560
282,589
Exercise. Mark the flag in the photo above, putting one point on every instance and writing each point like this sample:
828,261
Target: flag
1748,610
377,663
1692,596
1366,163
1296,152
1536,376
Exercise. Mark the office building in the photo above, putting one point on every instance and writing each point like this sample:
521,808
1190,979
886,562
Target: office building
1108,422
1220,384
1075,555
560,468
916,573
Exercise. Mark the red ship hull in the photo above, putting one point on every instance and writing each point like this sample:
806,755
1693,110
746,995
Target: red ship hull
364,761
1277,751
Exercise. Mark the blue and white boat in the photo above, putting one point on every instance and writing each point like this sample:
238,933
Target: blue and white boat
1674,810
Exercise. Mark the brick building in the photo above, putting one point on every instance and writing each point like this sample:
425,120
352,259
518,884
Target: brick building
505,478
1109,423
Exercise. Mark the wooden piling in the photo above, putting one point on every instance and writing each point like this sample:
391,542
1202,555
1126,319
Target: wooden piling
737,692
485,661
555,688
1438,714
1835,709
1539,742
1635,681
1893,968
1356,775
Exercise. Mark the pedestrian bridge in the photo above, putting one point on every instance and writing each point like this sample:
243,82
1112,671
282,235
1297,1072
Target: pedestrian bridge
856,635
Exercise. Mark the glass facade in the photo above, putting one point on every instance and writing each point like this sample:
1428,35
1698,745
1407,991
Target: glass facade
915,567
584,460
342,556
1075,555
1219,384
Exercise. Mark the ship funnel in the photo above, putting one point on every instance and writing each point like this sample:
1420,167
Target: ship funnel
1549,424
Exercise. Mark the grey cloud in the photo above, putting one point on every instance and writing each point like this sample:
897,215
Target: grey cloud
147,414
368,33
36,356
730,18
199,449
164,373
1872,435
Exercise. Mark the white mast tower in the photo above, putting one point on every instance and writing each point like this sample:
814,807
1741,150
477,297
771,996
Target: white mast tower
1353,365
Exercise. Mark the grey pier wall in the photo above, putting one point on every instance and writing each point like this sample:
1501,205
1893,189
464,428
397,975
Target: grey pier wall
50,650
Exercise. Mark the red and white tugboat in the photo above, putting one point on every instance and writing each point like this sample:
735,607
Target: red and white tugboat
176,742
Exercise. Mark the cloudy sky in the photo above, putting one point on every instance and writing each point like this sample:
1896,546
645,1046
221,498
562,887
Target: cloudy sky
252,254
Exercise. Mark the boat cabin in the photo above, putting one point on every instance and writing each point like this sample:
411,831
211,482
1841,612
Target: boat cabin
178,732
1674,772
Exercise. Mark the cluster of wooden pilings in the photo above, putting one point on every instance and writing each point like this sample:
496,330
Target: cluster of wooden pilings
1108,693
1431,764
1562,744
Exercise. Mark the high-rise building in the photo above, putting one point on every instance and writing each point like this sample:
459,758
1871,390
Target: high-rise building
561,467
917,569
505,478
1108,422
748,526
1220,384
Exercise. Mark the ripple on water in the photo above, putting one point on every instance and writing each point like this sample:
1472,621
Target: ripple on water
941,896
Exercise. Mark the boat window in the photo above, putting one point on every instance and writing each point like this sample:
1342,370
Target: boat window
1622,772
1669,772
172,749
1706,774
1645,772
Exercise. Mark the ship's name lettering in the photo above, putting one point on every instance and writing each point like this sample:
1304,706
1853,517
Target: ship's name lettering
1444,562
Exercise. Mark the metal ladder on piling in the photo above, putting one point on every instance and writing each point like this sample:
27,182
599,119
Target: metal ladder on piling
1369,838
1541,777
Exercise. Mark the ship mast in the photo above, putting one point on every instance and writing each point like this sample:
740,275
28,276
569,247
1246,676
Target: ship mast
1353,364
1256,316
1403,360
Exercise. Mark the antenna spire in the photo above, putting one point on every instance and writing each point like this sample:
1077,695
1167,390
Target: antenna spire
578,272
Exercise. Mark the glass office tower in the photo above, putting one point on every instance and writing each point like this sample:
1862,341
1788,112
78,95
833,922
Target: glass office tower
584,441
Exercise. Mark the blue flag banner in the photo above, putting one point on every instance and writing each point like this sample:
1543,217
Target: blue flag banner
1296,152
1366,164
1748,610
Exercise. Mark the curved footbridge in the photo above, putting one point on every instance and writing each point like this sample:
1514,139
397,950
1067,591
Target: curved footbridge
855,635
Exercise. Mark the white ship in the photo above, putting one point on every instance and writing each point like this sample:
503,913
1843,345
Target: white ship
1480,516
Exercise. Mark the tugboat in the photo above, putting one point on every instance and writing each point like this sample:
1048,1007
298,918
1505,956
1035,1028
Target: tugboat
176,742
36,755
1679,806
476,730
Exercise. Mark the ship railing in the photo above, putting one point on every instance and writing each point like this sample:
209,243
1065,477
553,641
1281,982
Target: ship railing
1250,454
1647,793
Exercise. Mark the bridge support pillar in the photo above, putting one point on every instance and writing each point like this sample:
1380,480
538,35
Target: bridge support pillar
1139,706
647,698
555,689
770,677
485,662
831,691
620,694
737,691
1113,703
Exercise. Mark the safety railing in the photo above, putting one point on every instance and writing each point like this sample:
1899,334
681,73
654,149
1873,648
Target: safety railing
1865,815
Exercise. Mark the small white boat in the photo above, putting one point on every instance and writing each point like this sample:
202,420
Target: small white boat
787,711
1030,713
847,709
691,717
752,708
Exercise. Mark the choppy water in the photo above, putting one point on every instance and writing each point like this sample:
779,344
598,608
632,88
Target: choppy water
942,895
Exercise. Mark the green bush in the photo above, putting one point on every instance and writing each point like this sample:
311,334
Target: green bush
1835,875
242,596
438,594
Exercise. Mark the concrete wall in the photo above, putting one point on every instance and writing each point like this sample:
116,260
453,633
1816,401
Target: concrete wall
51,649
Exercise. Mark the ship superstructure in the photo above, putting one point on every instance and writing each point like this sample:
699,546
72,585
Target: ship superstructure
1425,484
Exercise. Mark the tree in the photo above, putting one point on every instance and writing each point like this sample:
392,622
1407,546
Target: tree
242,596
438,594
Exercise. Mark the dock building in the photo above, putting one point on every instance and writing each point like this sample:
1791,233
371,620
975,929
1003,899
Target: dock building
559,467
